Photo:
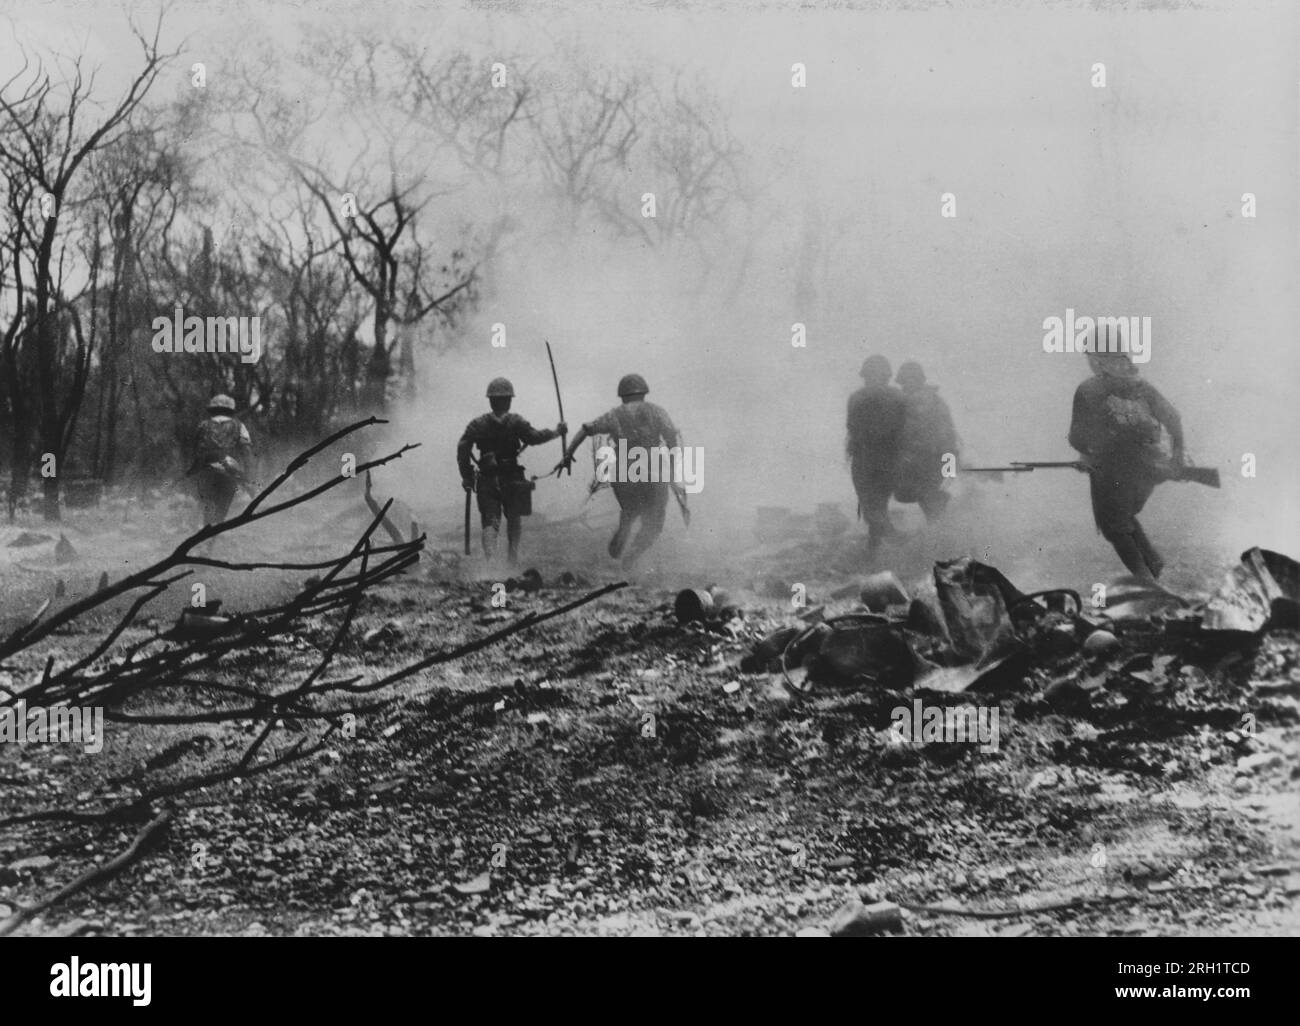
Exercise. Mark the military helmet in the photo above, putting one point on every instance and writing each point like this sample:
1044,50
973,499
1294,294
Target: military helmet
1115,365
500,387
632,384
876,367
910,375
221,402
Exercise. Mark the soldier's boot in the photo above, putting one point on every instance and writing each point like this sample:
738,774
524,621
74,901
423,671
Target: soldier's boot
1130,554
652,525
514,528
626,519
879,528
1149,554
490,535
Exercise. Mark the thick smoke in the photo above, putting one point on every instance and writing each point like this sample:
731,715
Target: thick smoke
1123,200
1120,201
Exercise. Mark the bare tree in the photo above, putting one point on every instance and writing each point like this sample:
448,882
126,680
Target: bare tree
585,135
610,135
318,361
136,186
18,372
380,244
47,136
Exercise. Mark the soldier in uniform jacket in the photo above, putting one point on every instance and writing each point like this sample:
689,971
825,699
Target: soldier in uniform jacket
875,426
927,437
648,427
1116,426
499,437
223,458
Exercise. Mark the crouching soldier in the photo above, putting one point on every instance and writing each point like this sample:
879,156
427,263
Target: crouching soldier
500,437
642,425
223,458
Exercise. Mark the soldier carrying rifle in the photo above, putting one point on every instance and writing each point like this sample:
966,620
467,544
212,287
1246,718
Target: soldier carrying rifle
1116,427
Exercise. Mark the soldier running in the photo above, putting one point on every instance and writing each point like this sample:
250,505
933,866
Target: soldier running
927,436
223,458
500,436
875,424
1116,426
641,424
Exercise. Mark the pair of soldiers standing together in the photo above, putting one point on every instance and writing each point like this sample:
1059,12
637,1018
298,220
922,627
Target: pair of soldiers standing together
899,437
500,436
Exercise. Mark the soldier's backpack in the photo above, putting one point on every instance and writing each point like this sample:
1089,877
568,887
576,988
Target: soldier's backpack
927,425
217,444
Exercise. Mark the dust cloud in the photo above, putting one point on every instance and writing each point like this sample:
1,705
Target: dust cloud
1119,201
1124,200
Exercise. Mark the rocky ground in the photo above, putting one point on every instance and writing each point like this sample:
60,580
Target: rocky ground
612,772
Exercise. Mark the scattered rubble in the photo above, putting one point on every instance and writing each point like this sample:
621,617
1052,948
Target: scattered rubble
1263,590
636,782
855,919
883,590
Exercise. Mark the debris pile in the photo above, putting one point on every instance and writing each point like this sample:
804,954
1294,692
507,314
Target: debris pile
968,627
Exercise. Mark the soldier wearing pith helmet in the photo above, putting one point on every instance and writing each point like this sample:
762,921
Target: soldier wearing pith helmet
500,436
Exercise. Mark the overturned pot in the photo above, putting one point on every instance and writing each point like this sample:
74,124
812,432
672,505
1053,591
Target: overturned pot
702,605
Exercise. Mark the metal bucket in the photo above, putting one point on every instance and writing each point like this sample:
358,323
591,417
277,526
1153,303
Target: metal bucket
693,605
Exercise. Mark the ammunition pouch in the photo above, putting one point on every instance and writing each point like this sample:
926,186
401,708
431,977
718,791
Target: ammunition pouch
517,491
508,485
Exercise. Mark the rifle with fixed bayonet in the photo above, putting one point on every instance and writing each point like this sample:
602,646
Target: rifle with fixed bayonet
1208,476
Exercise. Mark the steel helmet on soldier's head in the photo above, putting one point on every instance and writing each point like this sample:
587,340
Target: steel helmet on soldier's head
632,384
500,387
1107,350
910,375
221,402
1114,365
876,367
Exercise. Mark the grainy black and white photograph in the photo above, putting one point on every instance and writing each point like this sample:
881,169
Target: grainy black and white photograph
650,470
